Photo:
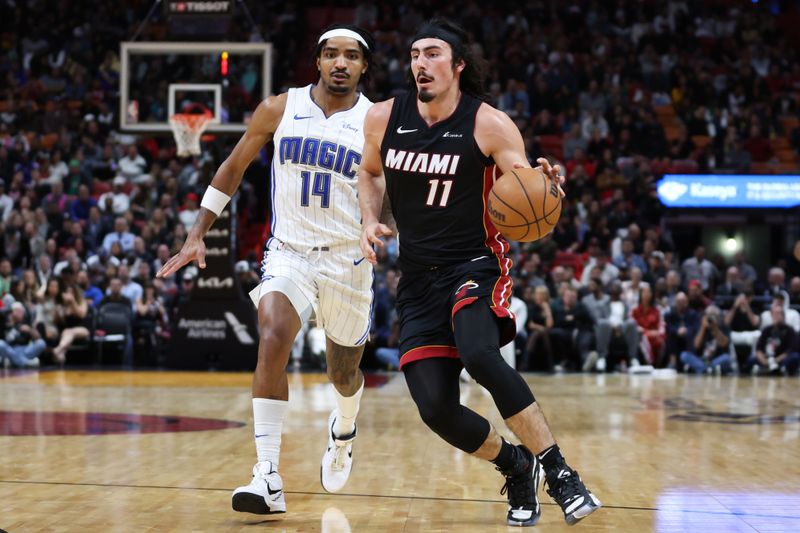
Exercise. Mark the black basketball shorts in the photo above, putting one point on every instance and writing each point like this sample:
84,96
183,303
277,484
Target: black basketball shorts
427,302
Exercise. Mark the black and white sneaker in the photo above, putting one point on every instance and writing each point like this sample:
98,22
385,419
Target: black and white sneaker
522,486
569,492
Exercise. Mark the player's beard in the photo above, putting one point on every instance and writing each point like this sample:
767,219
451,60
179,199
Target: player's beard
339,89
425,96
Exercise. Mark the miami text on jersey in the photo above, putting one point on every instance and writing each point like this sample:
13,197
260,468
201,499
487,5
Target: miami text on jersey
319,153
421,162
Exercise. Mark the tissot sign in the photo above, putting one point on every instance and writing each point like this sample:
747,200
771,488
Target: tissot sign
198,7
701,190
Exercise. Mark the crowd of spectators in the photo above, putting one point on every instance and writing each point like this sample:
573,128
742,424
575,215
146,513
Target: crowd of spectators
88,213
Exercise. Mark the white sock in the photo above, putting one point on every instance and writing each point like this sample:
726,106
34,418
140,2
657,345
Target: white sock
268,422
348,410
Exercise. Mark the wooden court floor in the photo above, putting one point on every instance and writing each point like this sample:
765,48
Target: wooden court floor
79,451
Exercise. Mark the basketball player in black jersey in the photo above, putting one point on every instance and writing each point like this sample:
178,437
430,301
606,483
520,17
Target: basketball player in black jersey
435,151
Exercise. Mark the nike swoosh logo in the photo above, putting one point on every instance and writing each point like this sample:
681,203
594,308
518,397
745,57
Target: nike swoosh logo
265,434
401,131
298,117
356,263
273,492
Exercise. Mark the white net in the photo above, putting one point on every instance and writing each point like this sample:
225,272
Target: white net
187,129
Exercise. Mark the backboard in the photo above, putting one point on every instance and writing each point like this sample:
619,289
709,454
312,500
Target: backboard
158,79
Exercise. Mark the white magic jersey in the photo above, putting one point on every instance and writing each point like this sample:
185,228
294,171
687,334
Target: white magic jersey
313,182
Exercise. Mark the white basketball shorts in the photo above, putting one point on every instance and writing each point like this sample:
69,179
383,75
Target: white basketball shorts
335,284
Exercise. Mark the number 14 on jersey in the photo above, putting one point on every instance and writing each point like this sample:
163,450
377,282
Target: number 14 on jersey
321,188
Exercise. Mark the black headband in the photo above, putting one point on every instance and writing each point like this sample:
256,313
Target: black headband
437,32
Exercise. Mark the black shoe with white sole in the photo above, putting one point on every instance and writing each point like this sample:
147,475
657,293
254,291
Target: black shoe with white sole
569,492
522,485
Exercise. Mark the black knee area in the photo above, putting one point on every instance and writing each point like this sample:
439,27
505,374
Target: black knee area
477,334
434,386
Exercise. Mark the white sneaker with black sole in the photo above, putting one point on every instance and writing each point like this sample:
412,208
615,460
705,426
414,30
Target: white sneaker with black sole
264,494
334,471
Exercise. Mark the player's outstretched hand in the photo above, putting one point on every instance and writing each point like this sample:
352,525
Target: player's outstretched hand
192,250
371,234
553,172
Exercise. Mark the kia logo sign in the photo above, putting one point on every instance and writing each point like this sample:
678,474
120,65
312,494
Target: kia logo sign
215,283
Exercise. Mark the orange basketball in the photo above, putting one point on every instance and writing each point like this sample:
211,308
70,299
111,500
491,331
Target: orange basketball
524,204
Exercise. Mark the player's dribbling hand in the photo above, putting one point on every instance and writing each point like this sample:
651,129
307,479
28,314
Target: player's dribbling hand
553,172
371,234
192,250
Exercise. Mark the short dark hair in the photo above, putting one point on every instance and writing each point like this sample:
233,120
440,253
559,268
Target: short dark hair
366,50
473,77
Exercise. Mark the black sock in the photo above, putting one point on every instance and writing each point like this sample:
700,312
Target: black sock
551,459
505,459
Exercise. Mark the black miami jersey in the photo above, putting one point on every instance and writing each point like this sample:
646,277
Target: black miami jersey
437,181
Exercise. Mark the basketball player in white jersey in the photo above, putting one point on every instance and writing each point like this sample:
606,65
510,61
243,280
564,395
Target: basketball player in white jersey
312,263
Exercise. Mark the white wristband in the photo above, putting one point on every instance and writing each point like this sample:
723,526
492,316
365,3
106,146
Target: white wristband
215,200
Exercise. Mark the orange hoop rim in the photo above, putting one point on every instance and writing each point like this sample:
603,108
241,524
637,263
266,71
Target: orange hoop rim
192,121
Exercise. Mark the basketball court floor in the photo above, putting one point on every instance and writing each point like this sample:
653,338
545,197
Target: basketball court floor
161,451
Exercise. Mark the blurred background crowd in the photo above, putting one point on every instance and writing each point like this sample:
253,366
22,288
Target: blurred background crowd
618,93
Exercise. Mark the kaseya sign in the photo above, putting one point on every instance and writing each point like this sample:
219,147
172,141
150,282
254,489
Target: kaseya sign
739,190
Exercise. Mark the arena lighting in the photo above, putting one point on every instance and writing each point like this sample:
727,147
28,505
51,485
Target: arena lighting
223,64
731,244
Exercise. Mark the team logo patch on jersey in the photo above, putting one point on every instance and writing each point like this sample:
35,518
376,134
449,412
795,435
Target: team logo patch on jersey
462,291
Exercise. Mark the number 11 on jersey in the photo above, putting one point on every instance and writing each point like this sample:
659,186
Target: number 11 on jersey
321,188
434,184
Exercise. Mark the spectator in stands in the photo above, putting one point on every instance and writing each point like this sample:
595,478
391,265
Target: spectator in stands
610,318
656,267
22,344
790,316
600,268
572,332
682,323
190,210
699,268
743,324
594,123
5,277
6,203
776,350
120,235
651,325
727,292
80,206
747,274
72,316
697,300
133,166
92,294
539,352
574,141
794,291
632,287
776,281
248,278
628,259
116,201
130,289
710,348
114,294
148,320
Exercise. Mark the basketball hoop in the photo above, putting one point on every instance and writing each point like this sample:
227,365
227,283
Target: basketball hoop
187,129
